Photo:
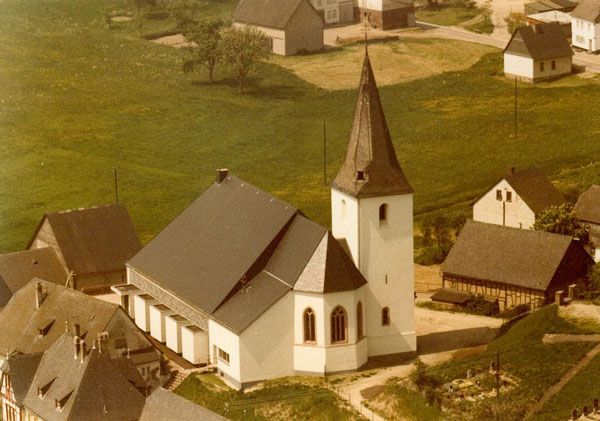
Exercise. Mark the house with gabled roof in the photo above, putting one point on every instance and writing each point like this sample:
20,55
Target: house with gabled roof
92,244
249,281
585,25
516,199
513,266
538,52
291,26
587,210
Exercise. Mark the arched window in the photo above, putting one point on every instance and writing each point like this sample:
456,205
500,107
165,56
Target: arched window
383,212
309,325
343,210
338,325
385,316
359,321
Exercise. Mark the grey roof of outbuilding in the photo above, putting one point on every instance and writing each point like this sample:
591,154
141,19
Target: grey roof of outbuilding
93,389
520,257
588,10
163,405
547,41
587,208
452,296
20,267
268,13
22,368
370,148
94,240
237,250
20,321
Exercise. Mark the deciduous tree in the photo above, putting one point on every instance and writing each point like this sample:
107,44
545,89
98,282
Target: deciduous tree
561,220
205,49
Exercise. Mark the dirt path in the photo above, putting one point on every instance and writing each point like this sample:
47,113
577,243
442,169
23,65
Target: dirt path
554,389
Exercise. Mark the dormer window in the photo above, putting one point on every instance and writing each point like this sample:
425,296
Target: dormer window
59,404
360,176
44,389
44,330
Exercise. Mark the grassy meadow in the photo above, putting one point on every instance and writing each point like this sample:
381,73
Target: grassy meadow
78,98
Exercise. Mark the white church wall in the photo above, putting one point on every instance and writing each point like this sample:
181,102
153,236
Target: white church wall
220,337
489,209
344,217
309,357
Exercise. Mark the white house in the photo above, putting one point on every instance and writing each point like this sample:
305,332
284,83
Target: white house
516,199
335,11
585,25
538,52
386,14
246,282
291,27
587,210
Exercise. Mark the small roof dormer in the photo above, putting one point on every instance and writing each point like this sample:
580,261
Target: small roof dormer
371,167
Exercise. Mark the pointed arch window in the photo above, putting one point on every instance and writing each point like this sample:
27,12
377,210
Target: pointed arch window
309,326
359,321
338,325
383,213
385,316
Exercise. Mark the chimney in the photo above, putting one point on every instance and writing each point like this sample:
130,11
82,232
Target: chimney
82,349
222,175
39,295
76,347
511,171
77,330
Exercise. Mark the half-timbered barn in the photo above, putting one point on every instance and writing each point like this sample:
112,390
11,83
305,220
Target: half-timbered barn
512,265
587,210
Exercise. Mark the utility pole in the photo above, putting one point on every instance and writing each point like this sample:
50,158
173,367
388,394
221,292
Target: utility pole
498,384
116,185
516,97
324,153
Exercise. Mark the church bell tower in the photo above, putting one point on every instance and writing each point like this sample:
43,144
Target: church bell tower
372,212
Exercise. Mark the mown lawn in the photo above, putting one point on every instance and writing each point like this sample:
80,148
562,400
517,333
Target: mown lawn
284,399
77,98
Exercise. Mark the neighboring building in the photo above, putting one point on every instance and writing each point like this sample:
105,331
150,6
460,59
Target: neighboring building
335,11
537,53
542,6
385,14
17,269
246,282
562,18
39,313
292,26
512,265
585,25
587,210
93,244
517,199
163,405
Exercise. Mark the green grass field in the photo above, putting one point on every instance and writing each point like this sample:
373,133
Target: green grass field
77,98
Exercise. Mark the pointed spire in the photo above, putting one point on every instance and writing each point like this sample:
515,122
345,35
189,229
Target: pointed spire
371,167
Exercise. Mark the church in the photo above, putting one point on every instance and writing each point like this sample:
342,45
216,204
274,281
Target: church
247,283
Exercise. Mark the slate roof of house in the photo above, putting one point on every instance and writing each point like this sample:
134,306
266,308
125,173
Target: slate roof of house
235,251
524,258
94,240
21,368
370,148
534,188
5,292
18,268
90,390
20,321
163,405
267,13
546,41
588,10
587,208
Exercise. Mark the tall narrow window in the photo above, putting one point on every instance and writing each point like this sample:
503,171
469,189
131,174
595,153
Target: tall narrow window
498,194
385,316
359,321
343,210
309,325
338,325
553,65
541,66
383,212
509,196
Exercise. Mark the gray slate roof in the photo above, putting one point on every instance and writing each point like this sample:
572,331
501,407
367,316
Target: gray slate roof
524,258
20,322
237,250
19,268
94,240
163,405
588,10
5,292
547,41
267,13
587,208
370,148
22,368
90,390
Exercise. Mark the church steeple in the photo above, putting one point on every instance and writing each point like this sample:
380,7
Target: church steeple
371,167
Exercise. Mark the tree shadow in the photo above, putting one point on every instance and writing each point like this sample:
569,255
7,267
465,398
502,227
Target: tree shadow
253,88
455,339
